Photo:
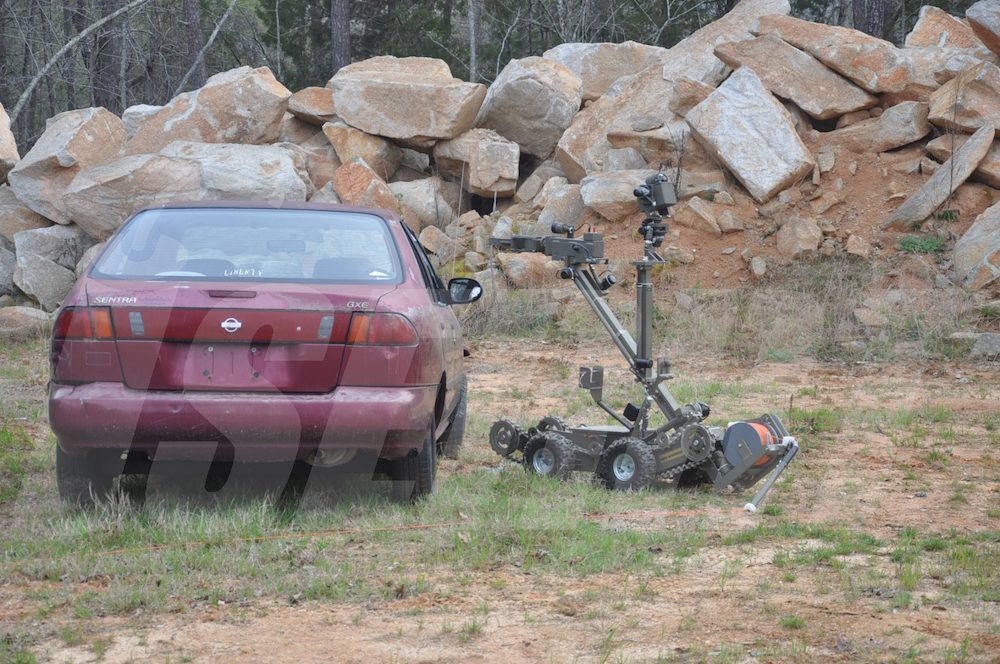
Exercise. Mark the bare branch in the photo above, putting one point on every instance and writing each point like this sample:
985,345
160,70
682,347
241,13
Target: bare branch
65,49
204,49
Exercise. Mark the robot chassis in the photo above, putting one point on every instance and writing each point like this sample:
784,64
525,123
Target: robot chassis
631,455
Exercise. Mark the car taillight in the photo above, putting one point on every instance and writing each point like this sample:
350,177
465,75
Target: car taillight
84,323
381,329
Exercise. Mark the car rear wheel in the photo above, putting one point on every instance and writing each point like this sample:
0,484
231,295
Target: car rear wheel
415,475
451,443
84,479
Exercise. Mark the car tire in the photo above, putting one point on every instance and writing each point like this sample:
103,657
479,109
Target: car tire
83,479
415,475
627,465
550,454
451,442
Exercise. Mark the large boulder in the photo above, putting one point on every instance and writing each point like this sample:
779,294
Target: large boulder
350,143
241,105
799,237
936,27
610,194
564,205
101,197
313,105
8,147
484,162
134,116
641,102
426,200
18,323
874,64
533,184
749,131
294,130
694,58
797,76
531,102
599,65
357,184
8,263
46,262
969,101
416,100
977,252
988,171
445,248
15,216
321,160
897,126
663,145
932,66
526,270
72,141
945,180
984,18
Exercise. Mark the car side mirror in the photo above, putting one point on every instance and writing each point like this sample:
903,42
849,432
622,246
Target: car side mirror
462,290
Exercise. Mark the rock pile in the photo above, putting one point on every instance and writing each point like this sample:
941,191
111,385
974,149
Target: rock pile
787,139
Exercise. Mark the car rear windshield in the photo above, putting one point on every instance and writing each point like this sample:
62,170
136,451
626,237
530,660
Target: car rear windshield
239,244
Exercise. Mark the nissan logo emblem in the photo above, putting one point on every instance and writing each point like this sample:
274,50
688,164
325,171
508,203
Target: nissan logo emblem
230,325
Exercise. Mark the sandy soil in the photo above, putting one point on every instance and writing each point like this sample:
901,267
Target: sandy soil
727,603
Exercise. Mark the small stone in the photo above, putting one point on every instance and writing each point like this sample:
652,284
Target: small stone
798,237
728,251
684,301
729,222
858,246
697,214
758,267
987,345
724,198
852,168
826,160
674,254
826,201
475,261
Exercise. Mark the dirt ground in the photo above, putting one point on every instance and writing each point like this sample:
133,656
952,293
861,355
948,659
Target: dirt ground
729,602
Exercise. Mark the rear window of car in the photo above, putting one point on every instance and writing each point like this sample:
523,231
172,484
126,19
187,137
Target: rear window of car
239,244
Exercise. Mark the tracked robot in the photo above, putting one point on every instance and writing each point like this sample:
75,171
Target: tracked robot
633,454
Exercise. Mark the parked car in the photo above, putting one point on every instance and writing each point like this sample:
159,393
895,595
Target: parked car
305,332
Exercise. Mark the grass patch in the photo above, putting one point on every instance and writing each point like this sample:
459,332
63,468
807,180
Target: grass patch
169,556
793,622
817,420
15,447
921,244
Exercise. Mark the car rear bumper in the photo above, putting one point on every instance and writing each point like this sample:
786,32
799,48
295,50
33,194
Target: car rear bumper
260,427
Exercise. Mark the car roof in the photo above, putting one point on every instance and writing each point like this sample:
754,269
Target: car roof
388,215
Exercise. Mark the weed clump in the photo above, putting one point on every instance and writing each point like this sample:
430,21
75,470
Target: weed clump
921,244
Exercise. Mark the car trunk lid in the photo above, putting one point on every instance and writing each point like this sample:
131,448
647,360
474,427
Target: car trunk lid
260,337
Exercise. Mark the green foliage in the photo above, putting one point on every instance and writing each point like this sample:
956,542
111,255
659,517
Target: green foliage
14,448
921,244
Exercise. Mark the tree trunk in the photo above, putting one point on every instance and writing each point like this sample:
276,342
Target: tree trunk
340,34
446,16
839,12
192,19
475,27
871,16
106,65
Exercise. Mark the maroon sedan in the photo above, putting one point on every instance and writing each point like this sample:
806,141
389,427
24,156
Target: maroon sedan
308,334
